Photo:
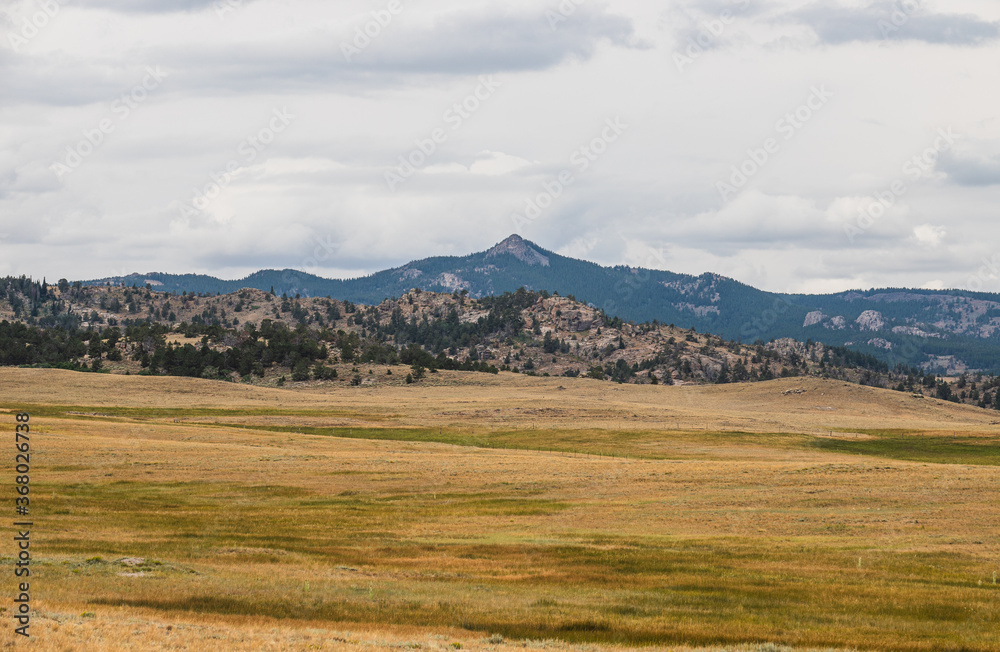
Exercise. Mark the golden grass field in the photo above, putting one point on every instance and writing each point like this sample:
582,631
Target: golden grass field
472,511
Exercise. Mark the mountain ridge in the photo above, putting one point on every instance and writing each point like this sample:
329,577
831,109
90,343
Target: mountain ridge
947,330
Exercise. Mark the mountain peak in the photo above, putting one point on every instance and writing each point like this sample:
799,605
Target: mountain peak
521,249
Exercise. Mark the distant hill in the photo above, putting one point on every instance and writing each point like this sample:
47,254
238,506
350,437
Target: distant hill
256,337
943,331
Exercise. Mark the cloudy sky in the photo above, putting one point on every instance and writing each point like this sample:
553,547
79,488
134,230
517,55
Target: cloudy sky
795,146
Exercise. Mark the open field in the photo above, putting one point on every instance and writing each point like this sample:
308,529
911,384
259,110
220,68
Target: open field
490,511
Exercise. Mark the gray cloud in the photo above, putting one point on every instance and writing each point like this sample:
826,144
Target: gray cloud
967,170
708,23
51,80
462,44
886,21
504,42
457,44
118,211
151,6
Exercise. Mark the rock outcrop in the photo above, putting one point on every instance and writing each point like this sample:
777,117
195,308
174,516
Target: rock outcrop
870,320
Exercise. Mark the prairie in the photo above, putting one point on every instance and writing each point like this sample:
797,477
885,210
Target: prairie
490,512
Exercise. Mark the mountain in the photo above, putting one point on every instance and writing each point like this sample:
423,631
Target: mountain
252,336
945,331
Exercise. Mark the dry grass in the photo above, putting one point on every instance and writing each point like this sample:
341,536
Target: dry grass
715,531
97,628
514,400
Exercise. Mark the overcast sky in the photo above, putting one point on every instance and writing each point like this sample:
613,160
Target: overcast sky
794,146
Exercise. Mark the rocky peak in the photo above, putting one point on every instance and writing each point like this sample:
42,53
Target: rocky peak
521,249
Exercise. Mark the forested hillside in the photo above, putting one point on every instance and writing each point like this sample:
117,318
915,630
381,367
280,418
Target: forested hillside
263,338
940,331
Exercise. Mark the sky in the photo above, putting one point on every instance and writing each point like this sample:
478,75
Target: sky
795,146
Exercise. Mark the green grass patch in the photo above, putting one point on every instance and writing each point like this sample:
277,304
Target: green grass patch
915,447
707,592
499,573
193,519
641,444
107,412
638,444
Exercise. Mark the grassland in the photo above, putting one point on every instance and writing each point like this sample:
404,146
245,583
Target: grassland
507,512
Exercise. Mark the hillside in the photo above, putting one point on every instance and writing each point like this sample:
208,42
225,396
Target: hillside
256,337
946,332
494,402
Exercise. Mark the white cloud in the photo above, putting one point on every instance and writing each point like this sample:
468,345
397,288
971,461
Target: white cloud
497,163
578,247
929,234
